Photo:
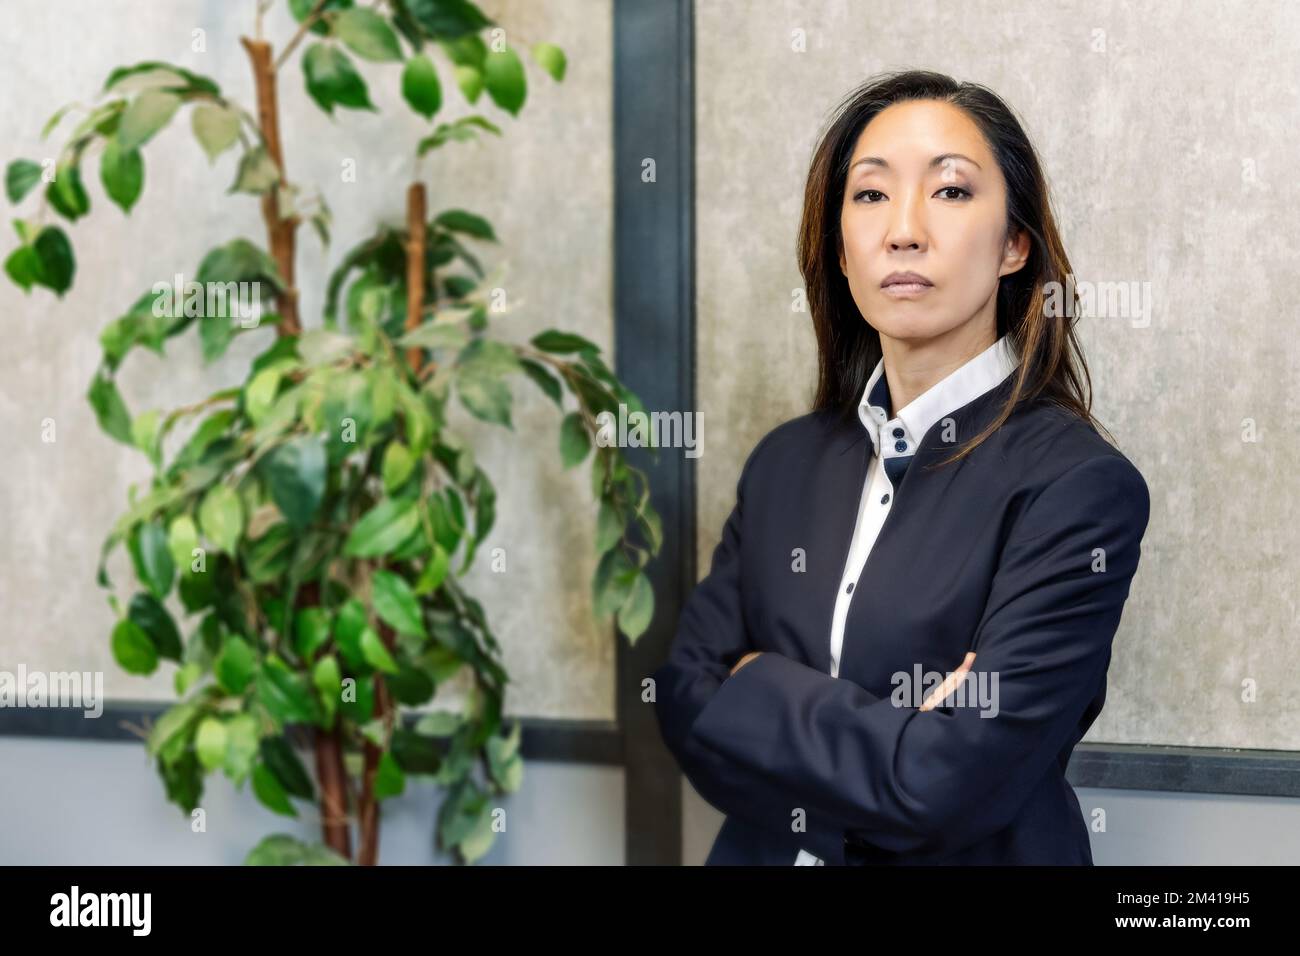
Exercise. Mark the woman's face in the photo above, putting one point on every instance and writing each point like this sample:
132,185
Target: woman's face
925,195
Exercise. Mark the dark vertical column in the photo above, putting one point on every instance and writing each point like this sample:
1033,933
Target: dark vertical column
654,350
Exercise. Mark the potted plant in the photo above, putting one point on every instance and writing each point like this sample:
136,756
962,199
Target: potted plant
313,524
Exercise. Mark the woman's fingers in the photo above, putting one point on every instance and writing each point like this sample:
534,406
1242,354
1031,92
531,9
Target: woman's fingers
950,683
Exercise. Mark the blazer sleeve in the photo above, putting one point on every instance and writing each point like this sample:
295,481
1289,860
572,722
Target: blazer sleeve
934,782
711,636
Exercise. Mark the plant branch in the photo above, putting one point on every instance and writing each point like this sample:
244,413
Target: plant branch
307,23
279,229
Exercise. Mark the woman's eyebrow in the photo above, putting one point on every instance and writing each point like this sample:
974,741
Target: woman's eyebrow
937,161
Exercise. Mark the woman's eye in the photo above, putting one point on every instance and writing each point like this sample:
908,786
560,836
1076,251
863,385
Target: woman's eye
960,194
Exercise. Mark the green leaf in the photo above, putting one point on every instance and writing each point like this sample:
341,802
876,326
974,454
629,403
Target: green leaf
609,527
396,604
152,559
269,792
109,408
374,653
504,762
420,87
257,172
23,267
551,59
461,131
268,558
186,676
295,473
239,260
56,119
155,73
635,614
348,627
22,175
332,80
204,436
397,467
503,76
55,256
241,746
173,726
436,335
260,392
544,380
216,127
484,394
235,665
470,81
300,9
132,649
146,115
389,778
575,441
283,761
458,220
311,630
553,340
280,849
46,261
328,681
149,614
67,194
613,582
144,433
283,693
210,743
382,529
367,34
448,18
122,172
434,572
221,516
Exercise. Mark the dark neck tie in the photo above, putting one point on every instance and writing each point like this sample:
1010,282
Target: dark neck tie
895,467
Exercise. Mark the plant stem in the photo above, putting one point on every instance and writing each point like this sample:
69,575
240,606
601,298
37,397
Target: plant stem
279,229
330,774
416,207
368,808
307,23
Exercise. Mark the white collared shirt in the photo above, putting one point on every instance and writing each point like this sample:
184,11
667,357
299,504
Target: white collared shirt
897,438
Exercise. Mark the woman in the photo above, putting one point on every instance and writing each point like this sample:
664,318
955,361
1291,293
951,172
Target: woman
948,511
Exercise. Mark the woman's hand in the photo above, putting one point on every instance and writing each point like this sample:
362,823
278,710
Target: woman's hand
949,684
744,660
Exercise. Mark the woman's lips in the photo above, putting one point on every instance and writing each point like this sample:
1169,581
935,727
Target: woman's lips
906,290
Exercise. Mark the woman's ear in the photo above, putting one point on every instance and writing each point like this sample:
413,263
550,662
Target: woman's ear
1015,253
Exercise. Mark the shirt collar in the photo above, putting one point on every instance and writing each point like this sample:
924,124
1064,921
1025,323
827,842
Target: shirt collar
959,387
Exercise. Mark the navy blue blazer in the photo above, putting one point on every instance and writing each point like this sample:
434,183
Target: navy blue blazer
1023,553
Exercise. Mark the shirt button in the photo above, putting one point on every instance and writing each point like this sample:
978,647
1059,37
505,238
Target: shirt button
885,499
900,446
849,589
898,433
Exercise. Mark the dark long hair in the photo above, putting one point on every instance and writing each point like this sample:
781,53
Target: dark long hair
1052,367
